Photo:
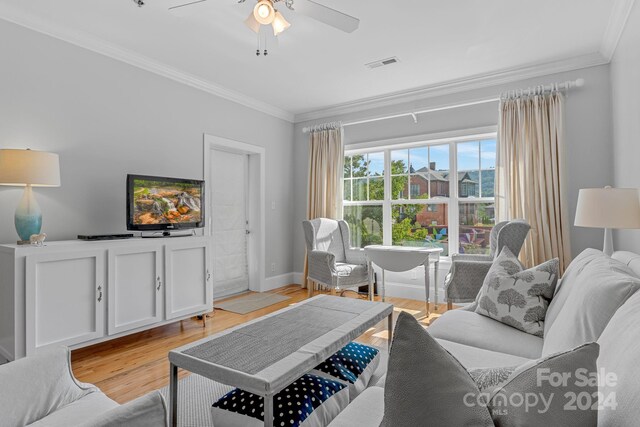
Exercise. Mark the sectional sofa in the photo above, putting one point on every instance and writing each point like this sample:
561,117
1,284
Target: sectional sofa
596,300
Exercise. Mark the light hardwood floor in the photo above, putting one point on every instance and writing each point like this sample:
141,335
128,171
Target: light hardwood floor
129,367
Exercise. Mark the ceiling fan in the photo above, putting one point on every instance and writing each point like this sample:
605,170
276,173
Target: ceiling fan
265,13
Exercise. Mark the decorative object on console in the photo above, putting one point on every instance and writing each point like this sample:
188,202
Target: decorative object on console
29,168
517,297
38,239
608,208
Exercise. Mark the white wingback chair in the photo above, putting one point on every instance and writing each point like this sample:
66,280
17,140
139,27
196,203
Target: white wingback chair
332,260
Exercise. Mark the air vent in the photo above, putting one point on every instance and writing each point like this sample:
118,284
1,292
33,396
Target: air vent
382,63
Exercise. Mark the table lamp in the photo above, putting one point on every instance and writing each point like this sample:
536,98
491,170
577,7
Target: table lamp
608,208
28,168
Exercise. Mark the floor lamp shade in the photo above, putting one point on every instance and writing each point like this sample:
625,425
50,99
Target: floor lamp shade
608,208
29,169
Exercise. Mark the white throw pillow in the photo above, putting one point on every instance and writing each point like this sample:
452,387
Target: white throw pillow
518,297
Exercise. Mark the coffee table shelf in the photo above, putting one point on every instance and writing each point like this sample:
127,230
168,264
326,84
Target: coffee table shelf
267,354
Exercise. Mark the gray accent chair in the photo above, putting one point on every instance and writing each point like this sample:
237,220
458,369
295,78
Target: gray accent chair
468,271
332,261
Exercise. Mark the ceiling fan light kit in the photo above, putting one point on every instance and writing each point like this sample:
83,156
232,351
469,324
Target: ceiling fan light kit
265,13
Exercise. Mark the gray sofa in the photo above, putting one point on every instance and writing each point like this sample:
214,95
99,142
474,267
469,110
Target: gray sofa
578,313
41,391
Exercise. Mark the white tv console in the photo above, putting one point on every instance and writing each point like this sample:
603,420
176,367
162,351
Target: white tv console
78,293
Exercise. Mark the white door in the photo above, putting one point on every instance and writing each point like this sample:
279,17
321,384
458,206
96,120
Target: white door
229,189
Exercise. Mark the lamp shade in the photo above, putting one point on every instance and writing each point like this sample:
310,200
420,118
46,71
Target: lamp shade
608,208
264,12
28,167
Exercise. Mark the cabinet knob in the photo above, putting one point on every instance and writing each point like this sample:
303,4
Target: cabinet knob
100,293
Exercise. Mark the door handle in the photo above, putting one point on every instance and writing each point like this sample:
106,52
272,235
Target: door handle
100,293
159,283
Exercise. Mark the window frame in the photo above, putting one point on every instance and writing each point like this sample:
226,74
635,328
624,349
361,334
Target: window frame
453,201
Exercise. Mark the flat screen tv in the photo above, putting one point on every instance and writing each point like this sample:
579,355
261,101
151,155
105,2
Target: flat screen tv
159,203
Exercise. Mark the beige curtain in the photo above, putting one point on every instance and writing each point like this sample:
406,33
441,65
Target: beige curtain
326,169
529,175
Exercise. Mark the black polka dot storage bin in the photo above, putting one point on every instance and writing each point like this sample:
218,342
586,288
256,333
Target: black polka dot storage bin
352,365
310,401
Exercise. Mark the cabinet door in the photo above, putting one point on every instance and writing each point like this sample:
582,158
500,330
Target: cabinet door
65,298
135,288
188,276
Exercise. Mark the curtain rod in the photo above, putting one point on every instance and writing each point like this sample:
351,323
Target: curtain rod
414,115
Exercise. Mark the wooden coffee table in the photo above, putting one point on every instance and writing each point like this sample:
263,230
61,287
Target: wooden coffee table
267,354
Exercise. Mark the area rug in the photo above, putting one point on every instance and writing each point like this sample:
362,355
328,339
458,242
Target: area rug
251,302
196,394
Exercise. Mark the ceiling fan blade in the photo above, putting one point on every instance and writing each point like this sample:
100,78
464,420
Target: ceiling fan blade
184,7
325,14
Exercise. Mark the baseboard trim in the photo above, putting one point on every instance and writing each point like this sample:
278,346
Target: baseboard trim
396,289
275,282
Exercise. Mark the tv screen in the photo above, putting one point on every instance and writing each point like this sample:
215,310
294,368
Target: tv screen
158,203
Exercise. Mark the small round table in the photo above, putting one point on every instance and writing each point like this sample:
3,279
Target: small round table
404,258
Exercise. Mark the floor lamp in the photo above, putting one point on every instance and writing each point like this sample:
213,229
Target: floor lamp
608,208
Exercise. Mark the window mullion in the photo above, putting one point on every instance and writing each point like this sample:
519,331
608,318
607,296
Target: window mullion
454,210
386,204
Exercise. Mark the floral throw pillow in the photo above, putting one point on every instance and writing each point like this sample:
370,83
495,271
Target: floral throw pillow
518,297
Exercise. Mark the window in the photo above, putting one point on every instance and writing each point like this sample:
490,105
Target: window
364,196
434,194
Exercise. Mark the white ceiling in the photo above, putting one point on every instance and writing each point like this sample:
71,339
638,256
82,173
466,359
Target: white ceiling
315,66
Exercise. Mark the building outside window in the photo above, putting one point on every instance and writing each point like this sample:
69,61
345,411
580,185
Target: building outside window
431,193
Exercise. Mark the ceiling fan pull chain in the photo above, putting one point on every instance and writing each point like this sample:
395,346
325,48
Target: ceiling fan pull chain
258,49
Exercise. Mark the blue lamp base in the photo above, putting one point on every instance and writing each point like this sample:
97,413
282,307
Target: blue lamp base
28,218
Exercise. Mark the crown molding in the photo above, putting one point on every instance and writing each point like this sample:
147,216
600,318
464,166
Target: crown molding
86,41
615,27
455,86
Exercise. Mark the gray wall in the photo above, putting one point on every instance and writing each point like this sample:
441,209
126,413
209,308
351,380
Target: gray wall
588,139
106,119
625,71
